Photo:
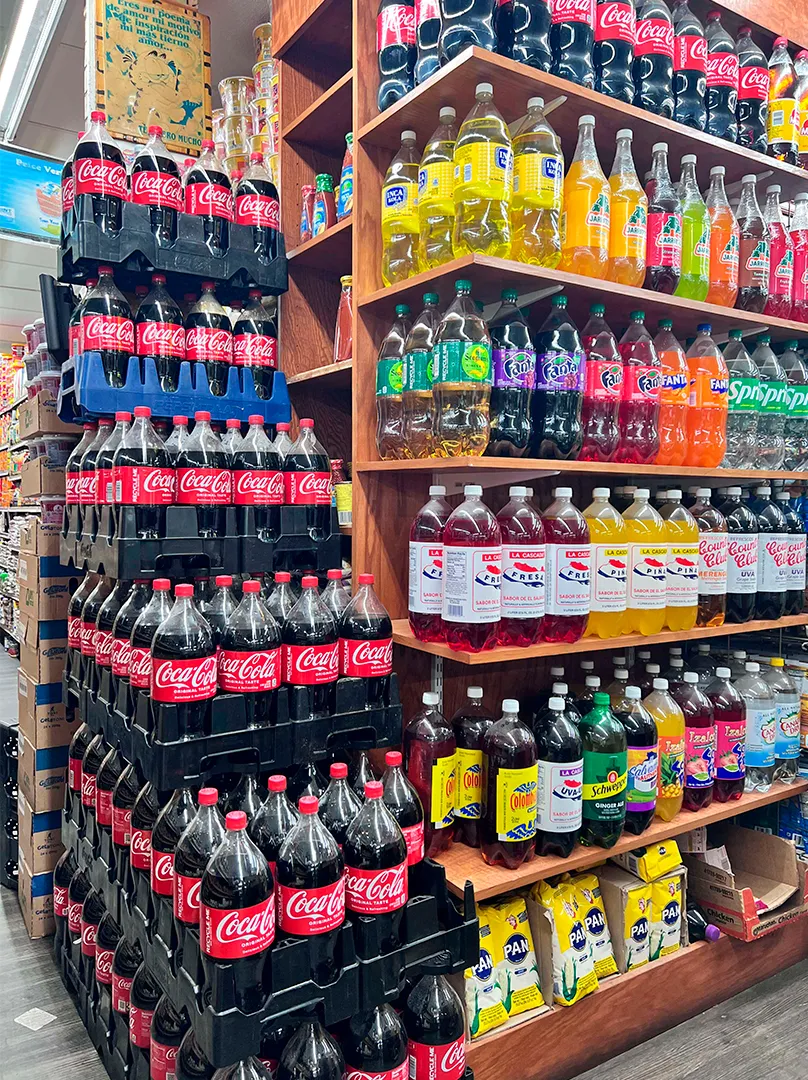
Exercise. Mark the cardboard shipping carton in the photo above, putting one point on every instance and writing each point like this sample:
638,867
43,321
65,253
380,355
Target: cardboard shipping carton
45,587
43,649
40,479
38,416
41,775
35,895
41,711
39,539
40,836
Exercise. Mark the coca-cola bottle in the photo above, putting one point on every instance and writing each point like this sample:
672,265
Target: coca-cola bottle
312,1052
89,616
722,80
653,58
68,198
689,68
310,649
204,479
105,482
273,822
74,343
753,92
122,632
95,753
307,480
184,664
615,31
107,327
231,440
143,630
191,1061
282,598
255,344
159,332
76,893
219,609
209,338
375,1044
307,780
156,183
88,474
124,794
167,1030
126,959
245,796
401,799
250,656
107,613
396,50
283,444
171,821
572,36
258,480
257,206
82,738
144,993
73,473
63,873
74,625
99,177
145,809
208,195
237,911
523,34
93,911
360,773
107,777
366,643
433,1020
339,805
106,942
335,596
143,476
193,850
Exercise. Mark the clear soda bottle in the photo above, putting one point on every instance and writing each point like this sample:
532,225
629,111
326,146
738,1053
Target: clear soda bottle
724,243
799,237
729,713
483,163
472,554
639,407
514,359
781,257
430,761
462,378
742,557
770,600
771,448
508,826
673,396
470,724
426,567
743,404
783,115
787,732
538,178
586,221
713,545
682,567
400,225
436,210
761,728
795,431
603,389
390,440
608,534
694,283
647,567
795,562
569,559
664,253
522,600
416,393
628,216
707,406
753,233
560,376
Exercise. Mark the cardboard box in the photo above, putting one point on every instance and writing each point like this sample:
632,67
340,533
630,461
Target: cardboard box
40,836
42,715
39,479
652,862
39,539
41,775
766,887
35,894
43,649
38,416
45,587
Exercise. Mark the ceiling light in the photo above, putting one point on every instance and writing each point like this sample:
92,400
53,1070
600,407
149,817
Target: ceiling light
32,34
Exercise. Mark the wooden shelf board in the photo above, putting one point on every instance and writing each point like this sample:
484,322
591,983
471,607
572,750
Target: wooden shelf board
328,377
330,251
346,530
327,120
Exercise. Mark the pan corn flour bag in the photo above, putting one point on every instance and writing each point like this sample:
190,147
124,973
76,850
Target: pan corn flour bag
637,925
597,928
484,1005
514,956
666,921
573,964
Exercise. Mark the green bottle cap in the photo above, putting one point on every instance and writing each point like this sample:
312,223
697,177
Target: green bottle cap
559,301
324,182
638,315
402,309
764,339
463,285
791,344
665,324
600,698
597,309
431,298
736,334
510,295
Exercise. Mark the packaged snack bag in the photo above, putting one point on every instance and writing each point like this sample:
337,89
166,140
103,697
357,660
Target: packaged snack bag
666,921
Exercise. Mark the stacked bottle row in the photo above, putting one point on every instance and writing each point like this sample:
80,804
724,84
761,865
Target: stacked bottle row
477,581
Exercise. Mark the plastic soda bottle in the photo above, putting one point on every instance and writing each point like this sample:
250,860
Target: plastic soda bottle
670,722
436,194
522,600
801,69
699,742
729,714
472,556
560,376
682,567
787,732
753,275
783,114
795,585
390,440
417,401
400,214
742,557
603,389
538,179
771,448
781,257
795,431
761,728
647,567
508,828
713,543
585,221
770,601
753,92
724,243
426,566
514,361
560,772
569,558
628,223
639,407
673,396
605,752
430,762
643,758
608,534
461,378
743,404
663,260
799,237
470,724
707,405
483,178
694,284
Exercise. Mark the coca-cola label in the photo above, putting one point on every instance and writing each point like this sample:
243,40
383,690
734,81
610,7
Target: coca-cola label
121,826
373,892
305,912
365,659
615,22
255,350
162,872
140,1027
307,488
257,487
310,665
160,339
234,934
103,648
258,210
88,934
690,53
206,343
567,11
87,638
121,656
87,789
753,83
144,485
74,631
742,558
150,188
74,916
722,70
140,848
186,898
209,200
414,838
68,194
59,899
395,25
121,993
443,1062
71,486
201,486
103,965
140,667
103,806
179,680
249,672
105,486
99,176
107,332
400,1072
654,36
88,487
74,774
162,1061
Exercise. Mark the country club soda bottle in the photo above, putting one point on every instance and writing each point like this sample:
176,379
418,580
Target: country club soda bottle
673,396
585,220
462,376
694,284
400,224
708,402
713,547
608,534
522,600
682,571
670,722
724,243
603,389
568,562
628,223
538,179
647,562
426,567
436,194
472,574
483,177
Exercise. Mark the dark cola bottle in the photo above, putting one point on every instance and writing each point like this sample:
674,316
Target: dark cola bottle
255,344
93,911
105,621
76,894
172,820
144,995
124,793
360,773
274,1038
306,780
282,598
160,333
126,959
208,195
73,477
154,613
401,799
90,764
122,632
156,183
311,1052
366,643
335,596
375,1044
311,888
508,826
274,821
689,68
653,58
74,624
258,480
245,796
523,32
68,187
179,433
376,877
338,805
105,482
742,557
433,1020
88,474
572,38
143,476
184,664
106,942
191,1061
753,92
427,32
237,911
193,851
82,738
209,338
99,177
250,656
470,724
62,874
107,777
307,480
257,206
107,327
167,1030
310,649
615,32
204,479
396,51
219,610
145,810
231,440
722,81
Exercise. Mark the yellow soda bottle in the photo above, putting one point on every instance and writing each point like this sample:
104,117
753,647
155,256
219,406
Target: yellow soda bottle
670,722
682,576
585,218
483,180
647,561
400,214
436,194
609,536
538,181
628,216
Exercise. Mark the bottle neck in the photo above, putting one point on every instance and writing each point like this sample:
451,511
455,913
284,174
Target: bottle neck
586,143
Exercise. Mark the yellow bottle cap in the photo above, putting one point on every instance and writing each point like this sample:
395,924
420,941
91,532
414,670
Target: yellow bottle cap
777,661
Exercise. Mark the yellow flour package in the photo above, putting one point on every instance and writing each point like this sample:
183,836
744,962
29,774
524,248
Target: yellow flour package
514,956
484,1005
573,964
666,920
597,928
637,925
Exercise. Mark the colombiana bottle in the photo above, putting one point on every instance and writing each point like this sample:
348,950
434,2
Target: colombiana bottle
608,534
472,552
510,769
435,194
470,724
538,178
400,226
483,174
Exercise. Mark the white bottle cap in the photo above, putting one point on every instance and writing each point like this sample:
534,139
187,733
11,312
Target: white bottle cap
738,654
659,146
674,493
510,704
437,489
677,662
557,672
430,698
529,491
408,136
703,493
517,492
625,133
641,493
563,493
644,654
784,495
587,119
556,703
472,489
734,491
474,692
633,693
652,669
447,114
587,665
619,661
764,490
691,677
561,689
600,493
750,178
675,650
535,103
753,667
660,684
719,170
593,681
722,673
801,196
620,673
704,649
689,159
483,88
773,188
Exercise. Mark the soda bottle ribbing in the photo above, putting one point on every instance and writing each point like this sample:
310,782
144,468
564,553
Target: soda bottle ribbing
508,826
743,404
559,803
155,181
664,254
208,195
753,93
99,177
653,58
396,48
773,399
483,159
400,226
689,68
602,390
694,283
724,243
572,37
472,574
431,767
609,537
643,758
673,396
586,220
569,557
209,338
722,81
514,361
615,33
753,278
707,407
523,32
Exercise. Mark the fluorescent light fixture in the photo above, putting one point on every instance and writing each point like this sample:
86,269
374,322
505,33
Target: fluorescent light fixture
32,34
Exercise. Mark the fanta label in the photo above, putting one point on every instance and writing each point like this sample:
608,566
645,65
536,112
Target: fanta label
561,371
641,383
604,379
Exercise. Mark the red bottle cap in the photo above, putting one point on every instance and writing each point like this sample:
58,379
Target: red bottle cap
208,144
232,423
180,420
183,590
98,116
158,279
202,416
161,584
142,410
309,804
104,269
309,582
334,575
224,579
123,416
307,423
366,579
277,783
282,577
236,820
393,758
155,129
257,419
339,770
282,427
256,155
208,796
374,789
251,587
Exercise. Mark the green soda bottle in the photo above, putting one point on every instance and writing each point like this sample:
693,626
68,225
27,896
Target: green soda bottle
419,426
605,775
462,378
694,282
436,194
389,387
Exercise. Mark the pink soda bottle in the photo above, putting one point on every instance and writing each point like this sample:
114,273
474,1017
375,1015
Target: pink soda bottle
799,236
699,741
472,558
523,557
603,389
639,406
781,258
569,557
729,712
426,567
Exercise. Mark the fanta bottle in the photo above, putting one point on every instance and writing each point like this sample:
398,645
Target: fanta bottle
724,243
682,572
670,722
426,567
483,176
400,214
799,237
472,554
694,283
585,219
523,571
603,389
647,563
673,396
538,182
781,258
639,407
709,401
628,224
609,538
569,558
436,194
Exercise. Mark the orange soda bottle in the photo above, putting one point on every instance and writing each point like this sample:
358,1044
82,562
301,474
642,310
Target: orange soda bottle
673,396
708,402
585,218
724,243
628,212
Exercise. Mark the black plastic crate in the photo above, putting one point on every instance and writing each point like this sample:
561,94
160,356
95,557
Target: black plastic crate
9,733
